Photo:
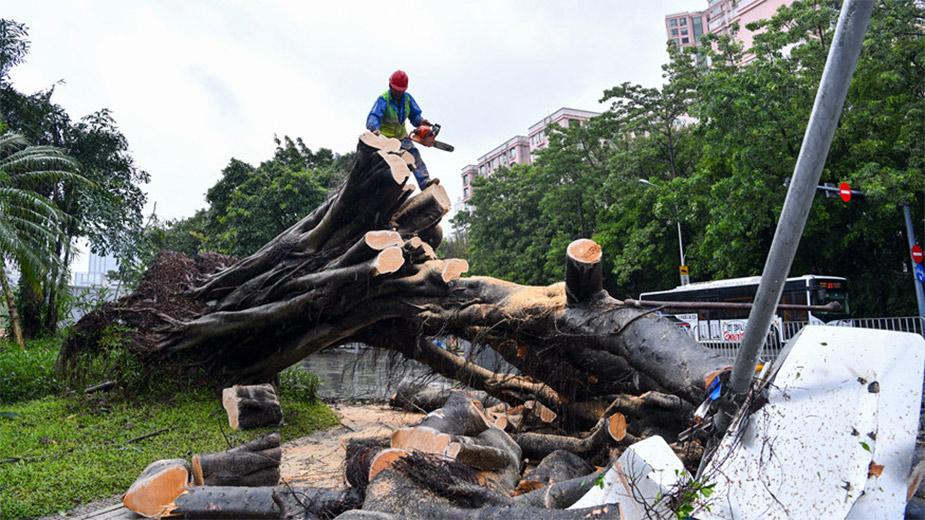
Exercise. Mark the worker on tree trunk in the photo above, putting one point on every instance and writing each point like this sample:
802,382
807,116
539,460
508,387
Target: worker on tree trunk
388,118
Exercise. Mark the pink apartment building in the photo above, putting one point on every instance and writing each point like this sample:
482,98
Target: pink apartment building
686,28
520,149
717,18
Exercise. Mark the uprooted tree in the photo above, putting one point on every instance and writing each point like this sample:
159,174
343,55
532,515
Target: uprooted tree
361,267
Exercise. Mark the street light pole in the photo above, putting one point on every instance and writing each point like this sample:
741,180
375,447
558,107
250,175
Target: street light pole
680,241
685,278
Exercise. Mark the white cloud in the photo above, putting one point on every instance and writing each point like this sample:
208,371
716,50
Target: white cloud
192,84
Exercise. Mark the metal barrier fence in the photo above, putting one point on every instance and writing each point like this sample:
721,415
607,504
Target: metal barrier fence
782,332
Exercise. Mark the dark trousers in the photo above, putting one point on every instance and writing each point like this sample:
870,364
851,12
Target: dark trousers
420,169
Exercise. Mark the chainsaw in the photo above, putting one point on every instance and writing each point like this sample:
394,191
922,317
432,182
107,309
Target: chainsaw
426,135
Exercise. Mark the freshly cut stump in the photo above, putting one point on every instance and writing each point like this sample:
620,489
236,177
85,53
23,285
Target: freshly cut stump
251,406
255,463
583,271
157,487
421,438
385,459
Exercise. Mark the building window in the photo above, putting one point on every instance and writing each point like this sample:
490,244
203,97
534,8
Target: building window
674,32
513,154
683,22
698,28
465,179
683,32
685,40
466,192
673,22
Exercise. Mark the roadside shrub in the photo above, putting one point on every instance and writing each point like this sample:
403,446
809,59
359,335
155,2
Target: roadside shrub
28,373
299,384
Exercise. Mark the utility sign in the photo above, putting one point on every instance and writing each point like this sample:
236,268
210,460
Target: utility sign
844,191
685,274
920,273
917,255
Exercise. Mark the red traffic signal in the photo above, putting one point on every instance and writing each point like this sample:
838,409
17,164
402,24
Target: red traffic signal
844,191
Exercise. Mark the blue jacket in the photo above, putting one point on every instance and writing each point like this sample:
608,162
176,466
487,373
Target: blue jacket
374,120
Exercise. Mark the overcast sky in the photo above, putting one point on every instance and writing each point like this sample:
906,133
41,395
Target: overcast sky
194,83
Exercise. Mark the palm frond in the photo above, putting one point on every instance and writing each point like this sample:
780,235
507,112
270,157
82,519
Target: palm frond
44,177
12,245
12,140
36,157
27,199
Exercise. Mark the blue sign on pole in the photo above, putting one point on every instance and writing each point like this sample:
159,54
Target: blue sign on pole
920,273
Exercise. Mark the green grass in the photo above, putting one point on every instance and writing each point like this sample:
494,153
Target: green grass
28,373
59,448
75,451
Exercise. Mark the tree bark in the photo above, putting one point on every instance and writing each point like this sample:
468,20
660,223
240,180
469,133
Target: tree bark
225,502
255,463
583,272
559,495
559,466
610,430
11,309
251,406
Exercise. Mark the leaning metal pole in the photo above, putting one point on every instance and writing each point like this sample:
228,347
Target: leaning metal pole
830,98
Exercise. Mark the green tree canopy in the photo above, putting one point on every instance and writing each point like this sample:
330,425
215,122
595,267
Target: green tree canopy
716,143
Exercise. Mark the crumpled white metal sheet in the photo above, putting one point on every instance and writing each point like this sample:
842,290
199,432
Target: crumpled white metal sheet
646,471
842,402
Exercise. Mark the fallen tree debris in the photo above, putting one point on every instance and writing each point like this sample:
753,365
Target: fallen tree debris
154,491
251,406
255,463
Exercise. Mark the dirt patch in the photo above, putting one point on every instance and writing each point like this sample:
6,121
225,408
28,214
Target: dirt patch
318,459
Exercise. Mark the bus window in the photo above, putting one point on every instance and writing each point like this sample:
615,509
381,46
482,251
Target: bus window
735,314
794,298
824,296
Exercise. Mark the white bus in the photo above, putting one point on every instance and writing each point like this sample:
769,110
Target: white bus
728,325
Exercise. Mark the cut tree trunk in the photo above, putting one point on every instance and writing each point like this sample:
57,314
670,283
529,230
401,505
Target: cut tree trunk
251,406
341,275
301,503
584,280
559,495
609,431
558,466
255,463
154,491
221,502
287,502
416,397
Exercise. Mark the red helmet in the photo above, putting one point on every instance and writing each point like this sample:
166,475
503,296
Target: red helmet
399,81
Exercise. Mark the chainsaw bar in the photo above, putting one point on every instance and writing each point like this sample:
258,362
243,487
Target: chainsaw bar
443,146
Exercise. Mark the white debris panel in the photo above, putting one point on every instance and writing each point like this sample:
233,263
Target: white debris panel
643,477
835,438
